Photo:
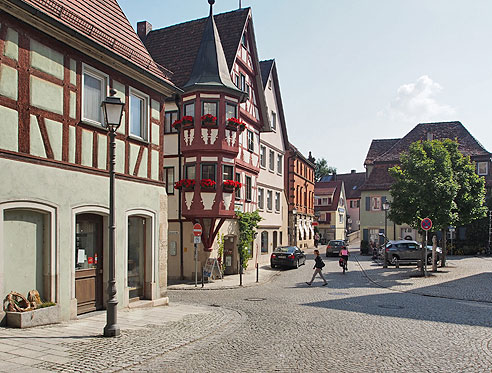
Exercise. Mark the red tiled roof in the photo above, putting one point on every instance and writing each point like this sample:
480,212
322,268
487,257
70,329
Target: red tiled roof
176,46
322,186
103,22
468,145
377,148
353,181
379,178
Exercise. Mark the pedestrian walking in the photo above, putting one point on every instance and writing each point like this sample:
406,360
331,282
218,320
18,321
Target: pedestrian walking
318,265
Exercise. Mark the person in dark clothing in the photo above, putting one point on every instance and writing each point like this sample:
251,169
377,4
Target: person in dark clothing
318,265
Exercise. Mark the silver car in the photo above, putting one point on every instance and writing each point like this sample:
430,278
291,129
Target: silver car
408,251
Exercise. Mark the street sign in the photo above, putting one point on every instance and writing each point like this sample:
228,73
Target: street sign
315,224
197,230
451,228
426,224
197,239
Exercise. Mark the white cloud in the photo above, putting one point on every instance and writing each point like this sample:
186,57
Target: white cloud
415,103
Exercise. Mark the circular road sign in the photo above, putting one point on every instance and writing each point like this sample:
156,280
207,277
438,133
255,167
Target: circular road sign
426,224
197,230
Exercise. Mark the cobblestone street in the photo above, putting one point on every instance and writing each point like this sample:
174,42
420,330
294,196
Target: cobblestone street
366,320
351,325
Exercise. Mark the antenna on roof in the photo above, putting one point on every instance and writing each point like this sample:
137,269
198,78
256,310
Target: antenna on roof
239,4
211,2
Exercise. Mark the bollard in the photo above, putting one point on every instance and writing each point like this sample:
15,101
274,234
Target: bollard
202,279
257,271
397,263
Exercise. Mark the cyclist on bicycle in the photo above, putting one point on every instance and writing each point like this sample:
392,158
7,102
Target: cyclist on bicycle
344,253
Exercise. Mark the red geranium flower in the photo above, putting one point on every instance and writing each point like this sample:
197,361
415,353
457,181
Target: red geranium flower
207,183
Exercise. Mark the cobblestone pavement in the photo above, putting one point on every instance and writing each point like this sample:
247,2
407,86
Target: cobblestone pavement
351,325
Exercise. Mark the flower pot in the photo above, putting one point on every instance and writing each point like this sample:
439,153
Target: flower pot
231,127
227,189
209,124
29,319
207,189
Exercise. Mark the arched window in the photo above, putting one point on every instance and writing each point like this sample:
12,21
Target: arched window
264,242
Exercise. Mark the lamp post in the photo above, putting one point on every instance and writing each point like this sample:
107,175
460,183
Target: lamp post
386,207
294,230
112,110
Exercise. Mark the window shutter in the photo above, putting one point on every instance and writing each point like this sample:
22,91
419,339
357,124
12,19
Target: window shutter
328,217
365,234
383,200
368,203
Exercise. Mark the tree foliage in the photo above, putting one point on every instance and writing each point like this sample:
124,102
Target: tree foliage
248,225
435,180
322,169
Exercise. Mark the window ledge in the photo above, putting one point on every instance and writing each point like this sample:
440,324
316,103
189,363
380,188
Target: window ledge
138,138
95,125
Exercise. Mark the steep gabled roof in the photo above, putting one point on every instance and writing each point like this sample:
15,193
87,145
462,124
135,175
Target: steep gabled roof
468,145
103,22
379,179
326,188
266,68
377,148
176,47
353,182
271,67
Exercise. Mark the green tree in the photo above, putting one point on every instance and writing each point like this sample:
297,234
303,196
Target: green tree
248,225
322,169
435,180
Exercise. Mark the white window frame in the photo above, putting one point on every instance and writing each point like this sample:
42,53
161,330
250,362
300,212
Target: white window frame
261,198
375,203
262,156
145,115
274,121
271,160
486,168
280,163
269,201
104,78
277,201
340,218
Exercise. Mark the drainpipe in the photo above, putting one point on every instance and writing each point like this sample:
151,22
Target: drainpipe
180,195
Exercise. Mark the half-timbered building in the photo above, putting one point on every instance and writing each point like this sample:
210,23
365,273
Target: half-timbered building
59,59
215,61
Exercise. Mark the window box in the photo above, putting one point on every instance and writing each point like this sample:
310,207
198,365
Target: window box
186,123
207,184
209,120
235,124
230,186
185,184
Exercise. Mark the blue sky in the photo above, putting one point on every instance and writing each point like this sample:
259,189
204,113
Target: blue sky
354,70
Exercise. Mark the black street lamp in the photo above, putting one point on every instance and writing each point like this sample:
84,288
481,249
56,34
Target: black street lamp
386,207
112,111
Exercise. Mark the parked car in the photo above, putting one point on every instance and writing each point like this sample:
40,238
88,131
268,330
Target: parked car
409,251
334,247
287,256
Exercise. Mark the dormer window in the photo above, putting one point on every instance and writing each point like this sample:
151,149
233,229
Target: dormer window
483,168
430,136
274,121
244,41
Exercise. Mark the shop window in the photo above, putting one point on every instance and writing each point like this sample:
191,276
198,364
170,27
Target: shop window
136,256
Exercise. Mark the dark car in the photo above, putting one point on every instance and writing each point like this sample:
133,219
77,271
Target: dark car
408,251
334,247
287,256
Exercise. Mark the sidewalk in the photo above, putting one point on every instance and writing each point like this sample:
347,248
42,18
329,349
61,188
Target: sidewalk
463,278
78,345
266,274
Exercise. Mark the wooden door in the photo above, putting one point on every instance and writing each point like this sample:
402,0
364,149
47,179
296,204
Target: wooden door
89,263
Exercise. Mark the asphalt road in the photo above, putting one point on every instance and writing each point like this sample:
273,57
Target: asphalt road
351,325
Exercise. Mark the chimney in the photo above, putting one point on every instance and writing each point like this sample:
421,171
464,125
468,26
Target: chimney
352,171
143,29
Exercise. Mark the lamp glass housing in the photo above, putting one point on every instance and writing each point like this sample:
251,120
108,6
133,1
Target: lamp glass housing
112,111
386,206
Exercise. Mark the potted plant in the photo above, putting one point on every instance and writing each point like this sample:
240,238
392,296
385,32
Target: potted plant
231,185
185,184
207,184
27,312
235,124
208,120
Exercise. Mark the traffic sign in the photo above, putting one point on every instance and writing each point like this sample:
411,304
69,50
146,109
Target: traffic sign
315,224
197,230
197,239
426,224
